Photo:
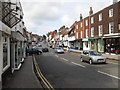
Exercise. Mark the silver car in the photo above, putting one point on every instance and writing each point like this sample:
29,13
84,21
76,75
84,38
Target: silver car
59,50
92,57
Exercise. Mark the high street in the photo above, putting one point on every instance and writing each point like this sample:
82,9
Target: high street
67,71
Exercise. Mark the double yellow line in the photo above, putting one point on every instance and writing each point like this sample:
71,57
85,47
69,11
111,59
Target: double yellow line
44,80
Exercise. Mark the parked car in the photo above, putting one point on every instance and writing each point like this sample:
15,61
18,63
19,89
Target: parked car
59,50
45,49
92,57
33,51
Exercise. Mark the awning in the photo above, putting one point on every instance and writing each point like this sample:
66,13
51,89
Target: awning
85,40
95,38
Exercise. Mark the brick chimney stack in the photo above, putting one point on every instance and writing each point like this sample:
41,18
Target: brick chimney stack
91,11
81,17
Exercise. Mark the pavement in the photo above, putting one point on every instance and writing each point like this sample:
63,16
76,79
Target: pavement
23,78
109,56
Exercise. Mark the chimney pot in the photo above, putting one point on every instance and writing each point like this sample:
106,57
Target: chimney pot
91,11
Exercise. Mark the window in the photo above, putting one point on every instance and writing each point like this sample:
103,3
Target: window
81,24
5,52
119,26
77,34
111,27
76,26
86,33
110,12
86,22
81,34
92,20
100,28
92,32
100,17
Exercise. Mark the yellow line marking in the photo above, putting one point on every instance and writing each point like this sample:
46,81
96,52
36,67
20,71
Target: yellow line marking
42,77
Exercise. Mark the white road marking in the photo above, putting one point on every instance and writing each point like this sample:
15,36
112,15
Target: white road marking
108,74
56,55
77,64
64,59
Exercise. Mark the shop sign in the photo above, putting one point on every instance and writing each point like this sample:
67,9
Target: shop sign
5,28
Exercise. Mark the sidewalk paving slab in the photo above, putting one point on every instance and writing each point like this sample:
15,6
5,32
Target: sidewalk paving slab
24,78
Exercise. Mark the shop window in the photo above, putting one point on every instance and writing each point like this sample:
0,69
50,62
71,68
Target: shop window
5,52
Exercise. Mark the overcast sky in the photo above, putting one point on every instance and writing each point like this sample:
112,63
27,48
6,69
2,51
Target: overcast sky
43,16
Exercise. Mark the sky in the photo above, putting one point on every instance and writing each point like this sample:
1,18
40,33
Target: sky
43,16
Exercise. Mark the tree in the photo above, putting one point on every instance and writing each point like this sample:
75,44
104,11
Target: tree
44,37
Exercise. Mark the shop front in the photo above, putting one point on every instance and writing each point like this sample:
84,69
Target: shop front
5,33
96,43
112,45
17,50
86,44
79,44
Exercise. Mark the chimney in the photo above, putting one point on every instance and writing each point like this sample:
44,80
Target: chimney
115,1
91,11
81,17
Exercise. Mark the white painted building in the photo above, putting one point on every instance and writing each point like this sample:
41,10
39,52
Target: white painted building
12,45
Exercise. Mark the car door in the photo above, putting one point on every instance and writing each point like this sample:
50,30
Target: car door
84,55
87,56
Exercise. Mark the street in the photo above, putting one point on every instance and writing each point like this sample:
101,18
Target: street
67,71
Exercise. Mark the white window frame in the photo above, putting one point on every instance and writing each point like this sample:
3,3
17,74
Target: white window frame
119,26
100,17
92,20
81,32
111,26
77,35
92,31
86,22
81,24
86,33
100,28
8,54
76,26
111,12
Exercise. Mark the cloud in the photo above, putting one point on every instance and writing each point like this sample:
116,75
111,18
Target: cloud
40,12
67,20
42,16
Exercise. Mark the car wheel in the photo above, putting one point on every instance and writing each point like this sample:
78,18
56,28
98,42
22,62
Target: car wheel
90,61
81,59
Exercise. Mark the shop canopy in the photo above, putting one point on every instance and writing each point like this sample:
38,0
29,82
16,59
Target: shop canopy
95,38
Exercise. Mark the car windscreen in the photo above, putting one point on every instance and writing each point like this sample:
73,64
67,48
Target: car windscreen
95,53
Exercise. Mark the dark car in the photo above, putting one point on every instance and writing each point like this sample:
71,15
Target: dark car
31,51
45,49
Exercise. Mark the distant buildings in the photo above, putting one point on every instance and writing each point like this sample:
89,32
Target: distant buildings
99,31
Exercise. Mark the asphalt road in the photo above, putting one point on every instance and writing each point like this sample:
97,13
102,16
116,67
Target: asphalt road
67,71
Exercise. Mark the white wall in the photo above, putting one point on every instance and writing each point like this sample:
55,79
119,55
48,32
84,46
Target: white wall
71,38
1,56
